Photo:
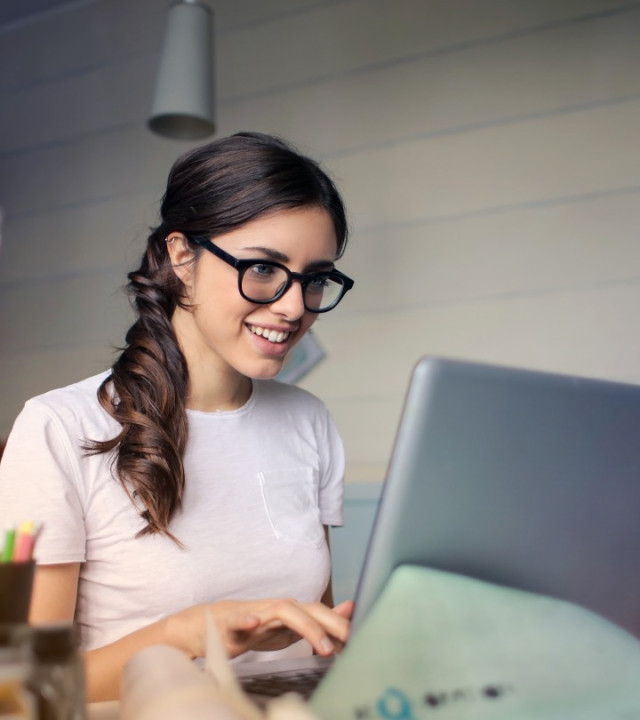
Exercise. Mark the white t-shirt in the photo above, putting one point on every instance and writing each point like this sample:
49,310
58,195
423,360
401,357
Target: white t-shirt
261,482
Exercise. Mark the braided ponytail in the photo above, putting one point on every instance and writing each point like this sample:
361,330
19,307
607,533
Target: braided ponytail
146,394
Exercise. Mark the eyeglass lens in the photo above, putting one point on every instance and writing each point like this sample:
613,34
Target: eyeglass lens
262,282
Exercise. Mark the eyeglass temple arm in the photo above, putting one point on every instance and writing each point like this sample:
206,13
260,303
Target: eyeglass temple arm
219,252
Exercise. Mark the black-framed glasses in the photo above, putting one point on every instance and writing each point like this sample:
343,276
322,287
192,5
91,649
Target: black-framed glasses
265,281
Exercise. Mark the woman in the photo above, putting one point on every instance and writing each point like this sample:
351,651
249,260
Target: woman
185,480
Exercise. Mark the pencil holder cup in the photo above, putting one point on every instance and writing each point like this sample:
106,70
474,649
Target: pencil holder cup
16,581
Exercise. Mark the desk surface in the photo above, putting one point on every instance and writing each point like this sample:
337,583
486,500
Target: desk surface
109,710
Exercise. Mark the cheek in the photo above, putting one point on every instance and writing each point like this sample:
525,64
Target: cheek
306,322
213,281
218,313
217,296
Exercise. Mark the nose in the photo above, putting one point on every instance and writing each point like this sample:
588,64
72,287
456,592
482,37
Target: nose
291,304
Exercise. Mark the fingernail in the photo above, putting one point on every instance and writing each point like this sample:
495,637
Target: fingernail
327,646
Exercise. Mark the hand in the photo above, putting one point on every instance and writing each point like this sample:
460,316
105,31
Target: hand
276,624
270,625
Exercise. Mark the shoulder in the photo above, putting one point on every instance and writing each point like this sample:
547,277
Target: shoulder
79,394
73,405
51,430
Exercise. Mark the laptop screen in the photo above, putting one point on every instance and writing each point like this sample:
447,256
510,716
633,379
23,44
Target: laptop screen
521,478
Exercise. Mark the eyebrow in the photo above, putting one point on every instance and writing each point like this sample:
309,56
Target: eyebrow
280,257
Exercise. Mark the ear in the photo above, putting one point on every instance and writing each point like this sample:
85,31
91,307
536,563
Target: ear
181,256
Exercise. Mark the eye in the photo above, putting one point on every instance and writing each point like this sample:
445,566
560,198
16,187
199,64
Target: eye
318,283
263,270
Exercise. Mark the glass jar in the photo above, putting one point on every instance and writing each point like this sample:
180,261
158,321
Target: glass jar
17,701
57,673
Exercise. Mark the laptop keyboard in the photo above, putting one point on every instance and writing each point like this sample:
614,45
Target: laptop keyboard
303,682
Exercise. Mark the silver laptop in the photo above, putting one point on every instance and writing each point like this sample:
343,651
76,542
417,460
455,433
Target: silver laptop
526,479
521,478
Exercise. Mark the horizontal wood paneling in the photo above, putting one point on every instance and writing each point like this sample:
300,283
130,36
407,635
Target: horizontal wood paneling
494,168
338,38
51,314
87,170
585,331
77,107
542,248
458,91
108,234
56,45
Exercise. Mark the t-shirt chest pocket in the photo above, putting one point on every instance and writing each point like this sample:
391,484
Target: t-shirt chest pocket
291,502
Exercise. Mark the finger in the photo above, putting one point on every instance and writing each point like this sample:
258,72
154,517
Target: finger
335,624
241,622
314,622
345,609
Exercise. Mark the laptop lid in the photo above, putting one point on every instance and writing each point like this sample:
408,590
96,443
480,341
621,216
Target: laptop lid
521,478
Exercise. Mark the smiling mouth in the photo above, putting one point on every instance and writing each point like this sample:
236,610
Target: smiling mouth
274,336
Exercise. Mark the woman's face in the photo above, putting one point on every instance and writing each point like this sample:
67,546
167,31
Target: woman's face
232,333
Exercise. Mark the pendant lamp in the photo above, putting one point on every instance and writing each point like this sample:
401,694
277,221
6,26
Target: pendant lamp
182,106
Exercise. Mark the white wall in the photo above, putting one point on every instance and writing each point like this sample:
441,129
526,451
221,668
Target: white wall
487,150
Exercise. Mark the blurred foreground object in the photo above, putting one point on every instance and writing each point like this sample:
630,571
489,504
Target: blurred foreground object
448,645
161,683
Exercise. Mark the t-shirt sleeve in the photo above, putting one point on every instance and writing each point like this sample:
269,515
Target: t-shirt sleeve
332,464
40,481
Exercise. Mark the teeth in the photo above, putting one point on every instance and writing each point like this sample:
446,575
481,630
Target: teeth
271,335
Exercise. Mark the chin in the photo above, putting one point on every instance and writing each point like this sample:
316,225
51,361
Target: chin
266,373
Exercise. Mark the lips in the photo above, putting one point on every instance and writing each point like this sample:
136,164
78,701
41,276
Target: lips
273,336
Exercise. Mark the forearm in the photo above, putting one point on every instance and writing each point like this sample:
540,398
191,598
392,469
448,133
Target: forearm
104,666
186,631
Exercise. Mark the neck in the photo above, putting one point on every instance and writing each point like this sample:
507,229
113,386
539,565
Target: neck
208,394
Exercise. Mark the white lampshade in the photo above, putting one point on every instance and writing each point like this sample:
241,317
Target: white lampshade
183,101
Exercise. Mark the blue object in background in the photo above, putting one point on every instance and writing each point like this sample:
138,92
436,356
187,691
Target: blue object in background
349,543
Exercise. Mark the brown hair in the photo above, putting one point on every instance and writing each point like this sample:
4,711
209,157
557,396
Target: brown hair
211,190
